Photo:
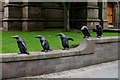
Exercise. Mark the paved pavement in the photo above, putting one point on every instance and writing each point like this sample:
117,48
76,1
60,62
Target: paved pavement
104,70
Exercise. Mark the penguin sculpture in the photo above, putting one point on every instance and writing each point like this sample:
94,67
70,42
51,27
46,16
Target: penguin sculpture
44,43
99,31
64,41
85,31
21,45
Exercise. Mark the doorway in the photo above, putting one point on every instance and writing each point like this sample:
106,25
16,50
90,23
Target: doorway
110,16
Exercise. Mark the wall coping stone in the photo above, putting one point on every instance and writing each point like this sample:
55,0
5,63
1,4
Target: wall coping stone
87,46
107,39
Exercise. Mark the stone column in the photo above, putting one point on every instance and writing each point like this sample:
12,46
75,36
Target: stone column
1,11
117,15
103,14
32,17
92,14
12,19
85,13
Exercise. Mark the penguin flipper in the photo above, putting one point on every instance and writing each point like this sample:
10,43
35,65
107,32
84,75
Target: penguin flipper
70,39
24,45
46,45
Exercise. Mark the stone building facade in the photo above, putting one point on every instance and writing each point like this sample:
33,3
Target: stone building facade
36,16
1,12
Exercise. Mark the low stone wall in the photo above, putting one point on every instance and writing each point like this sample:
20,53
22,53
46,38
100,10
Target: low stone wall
90,51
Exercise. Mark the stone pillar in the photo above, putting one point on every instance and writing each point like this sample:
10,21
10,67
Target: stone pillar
32,17
103,14
117,15
92,14
85,13
1,11
12,16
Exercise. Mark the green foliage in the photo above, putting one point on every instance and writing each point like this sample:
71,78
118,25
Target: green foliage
9,44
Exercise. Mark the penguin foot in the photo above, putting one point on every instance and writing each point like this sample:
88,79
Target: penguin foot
46,51
19,53
84,37
63,48
24,53
42,50
50,49
67,48
88,36
27,53
98,36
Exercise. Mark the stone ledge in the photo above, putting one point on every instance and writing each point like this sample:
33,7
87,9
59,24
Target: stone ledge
81,49
13,5
87,46
31,19
89,20
107,39
111,30
85,7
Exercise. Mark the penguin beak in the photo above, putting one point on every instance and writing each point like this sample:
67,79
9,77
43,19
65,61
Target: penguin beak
14,36
58,35
36,37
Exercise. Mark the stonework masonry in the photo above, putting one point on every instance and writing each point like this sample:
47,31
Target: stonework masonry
31,16
36,16
1,12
